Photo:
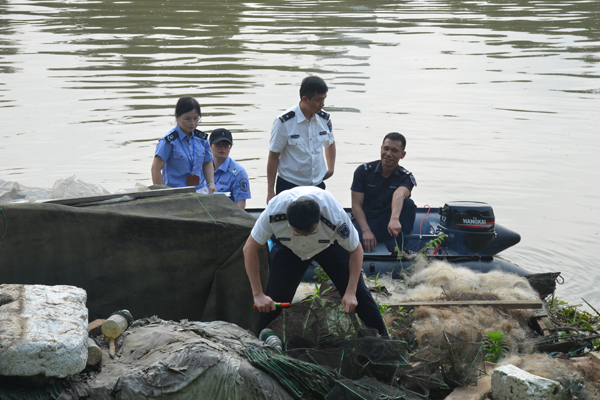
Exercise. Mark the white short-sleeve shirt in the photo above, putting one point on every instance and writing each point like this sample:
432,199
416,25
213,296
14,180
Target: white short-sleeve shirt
300,143
334,224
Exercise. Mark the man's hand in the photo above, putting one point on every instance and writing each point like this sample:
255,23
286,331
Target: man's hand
349,302
394,227
264,303
328,174
369,241
270,195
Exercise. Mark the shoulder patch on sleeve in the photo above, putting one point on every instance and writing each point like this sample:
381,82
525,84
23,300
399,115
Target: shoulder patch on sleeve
287,116
244,185
200,134
171,136
344,231
412,179
327,222
277,218
407,172
323,115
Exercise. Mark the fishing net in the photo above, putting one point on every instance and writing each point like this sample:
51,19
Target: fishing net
365,388
308,381
449,362
544,283
317,320
317,332
353,359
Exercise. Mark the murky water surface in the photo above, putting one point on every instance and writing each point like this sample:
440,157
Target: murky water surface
498,99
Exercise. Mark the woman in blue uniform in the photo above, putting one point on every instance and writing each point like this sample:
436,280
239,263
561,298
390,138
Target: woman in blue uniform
183,156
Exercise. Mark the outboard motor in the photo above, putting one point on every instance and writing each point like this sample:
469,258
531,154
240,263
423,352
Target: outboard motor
469,225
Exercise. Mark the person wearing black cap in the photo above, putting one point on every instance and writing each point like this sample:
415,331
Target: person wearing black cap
230,176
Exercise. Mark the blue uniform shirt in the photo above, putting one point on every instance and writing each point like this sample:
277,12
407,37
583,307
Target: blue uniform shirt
179,152
232,177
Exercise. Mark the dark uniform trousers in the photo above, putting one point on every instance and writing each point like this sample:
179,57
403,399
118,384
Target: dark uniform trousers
287,270
281,185
380,223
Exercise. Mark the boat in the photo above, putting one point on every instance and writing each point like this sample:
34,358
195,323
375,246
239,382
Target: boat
461,232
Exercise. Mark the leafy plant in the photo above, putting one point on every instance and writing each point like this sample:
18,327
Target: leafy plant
317,294
432,244
495,345
399,251
375,282
401,314
383,308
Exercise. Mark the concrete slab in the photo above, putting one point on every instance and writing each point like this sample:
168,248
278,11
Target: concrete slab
43,330
512,383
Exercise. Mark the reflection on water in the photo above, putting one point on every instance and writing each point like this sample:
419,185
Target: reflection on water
498,99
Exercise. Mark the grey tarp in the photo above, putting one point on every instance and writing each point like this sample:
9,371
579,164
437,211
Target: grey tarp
177,256
166,360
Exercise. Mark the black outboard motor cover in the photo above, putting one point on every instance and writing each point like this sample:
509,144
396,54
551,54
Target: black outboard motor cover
469,225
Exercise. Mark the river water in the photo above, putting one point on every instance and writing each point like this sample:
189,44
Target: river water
498,99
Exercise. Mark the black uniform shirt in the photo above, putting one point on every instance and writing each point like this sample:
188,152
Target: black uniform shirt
378,190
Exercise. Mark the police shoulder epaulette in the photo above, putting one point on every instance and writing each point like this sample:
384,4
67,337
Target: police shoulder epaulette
323,115
233,170
277,218
287,116
328,222
403,170
367,166
200,134
171,136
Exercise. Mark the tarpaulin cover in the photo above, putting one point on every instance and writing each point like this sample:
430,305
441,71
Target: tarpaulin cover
177,256
166,360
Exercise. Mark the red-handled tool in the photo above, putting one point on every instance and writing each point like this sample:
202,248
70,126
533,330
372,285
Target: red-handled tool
278,305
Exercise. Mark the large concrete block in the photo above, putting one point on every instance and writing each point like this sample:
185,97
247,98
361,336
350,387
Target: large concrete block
512,383
43,330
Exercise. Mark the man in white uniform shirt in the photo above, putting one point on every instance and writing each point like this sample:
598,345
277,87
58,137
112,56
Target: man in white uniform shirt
308,224
298,137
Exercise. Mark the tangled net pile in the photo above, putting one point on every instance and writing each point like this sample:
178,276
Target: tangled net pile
328,354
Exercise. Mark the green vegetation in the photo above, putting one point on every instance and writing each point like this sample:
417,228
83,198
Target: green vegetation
317,294
573,322
495,346
432,244
375,282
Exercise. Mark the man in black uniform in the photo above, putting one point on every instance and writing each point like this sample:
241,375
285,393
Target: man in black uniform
381,202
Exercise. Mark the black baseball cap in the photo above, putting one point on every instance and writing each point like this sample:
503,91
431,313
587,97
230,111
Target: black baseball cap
219,135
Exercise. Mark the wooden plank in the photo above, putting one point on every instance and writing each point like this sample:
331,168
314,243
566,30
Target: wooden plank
506,304
479,392
545,325
595,356
136,195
